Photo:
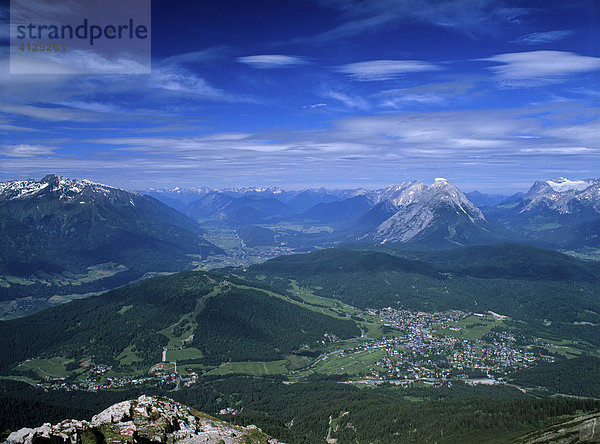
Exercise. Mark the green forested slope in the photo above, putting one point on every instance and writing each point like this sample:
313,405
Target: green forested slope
578,376
522,282
233,323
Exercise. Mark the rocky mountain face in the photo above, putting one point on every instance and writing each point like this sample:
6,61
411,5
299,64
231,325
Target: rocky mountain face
402,193
440,209
53,193
400,213
563,196
560,212
146,419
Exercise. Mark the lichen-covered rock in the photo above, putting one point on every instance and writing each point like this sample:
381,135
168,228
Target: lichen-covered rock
145,419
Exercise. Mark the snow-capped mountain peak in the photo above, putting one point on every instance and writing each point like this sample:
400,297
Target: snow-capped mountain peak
401,193
563,184
563,195
63,187
422,207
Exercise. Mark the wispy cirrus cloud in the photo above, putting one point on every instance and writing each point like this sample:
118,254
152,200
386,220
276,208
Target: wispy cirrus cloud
314,105
22,11
76,62
465,145
203,56
69,95
464,16
385,69
540,67
349,100
184,83
93,106
26,150
432,94
539,38
49,113
271,61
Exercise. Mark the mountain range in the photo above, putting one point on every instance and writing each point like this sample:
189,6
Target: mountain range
557,213
64,238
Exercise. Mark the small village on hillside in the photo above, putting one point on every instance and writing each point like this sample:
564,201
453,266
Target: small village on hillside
433,349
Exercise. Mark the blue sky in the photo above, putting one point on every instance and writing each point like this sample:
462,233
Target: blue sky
491,94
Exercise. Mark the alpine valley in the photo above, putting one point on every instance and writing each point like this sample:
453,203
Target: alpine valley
413,313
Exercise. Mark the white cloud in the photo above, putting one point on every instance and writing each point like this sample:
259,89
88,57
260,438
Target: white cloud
51,113
482,146
540,67
75,97
465,16
226,136
92,106
449,135
75,62
26,150
431,94
315,105
206,55
185,83
42,9
385,69
539,38
560,150
270,61
350,101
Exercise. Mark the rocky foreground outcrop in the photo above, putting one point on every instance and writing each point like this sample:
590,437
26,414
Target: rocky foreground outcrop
146,419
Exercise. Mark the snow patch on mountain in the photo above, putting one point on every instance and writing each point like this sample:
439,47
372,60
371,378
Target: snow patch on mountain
17,189
563,184
400,194
563,196
63,187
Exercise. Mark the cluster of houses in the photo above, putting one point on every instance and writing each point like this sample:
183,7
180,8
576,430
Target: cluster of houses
425,352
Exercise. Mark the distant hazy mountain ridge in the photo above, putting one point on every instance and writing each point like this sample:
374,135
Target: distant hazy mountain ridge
437,215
